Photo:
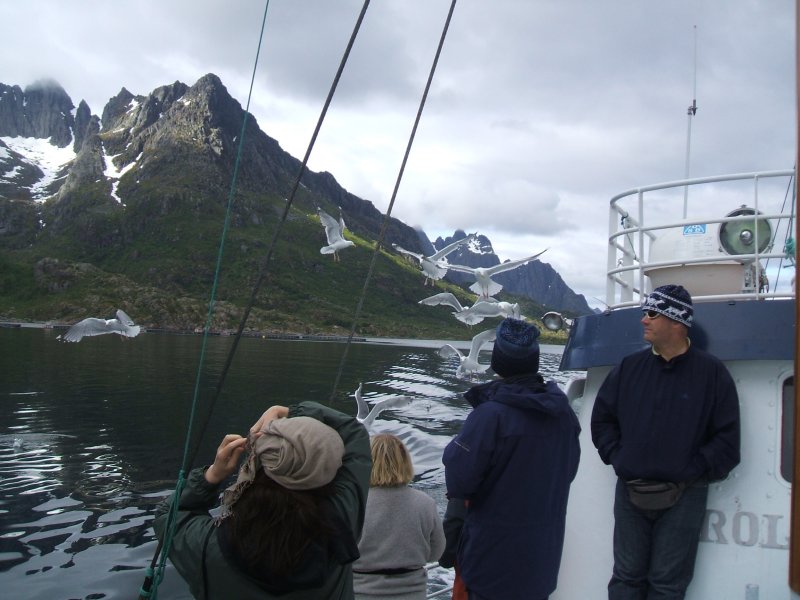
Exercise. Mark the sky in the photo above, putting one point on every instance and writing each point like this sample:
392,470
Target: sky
539,111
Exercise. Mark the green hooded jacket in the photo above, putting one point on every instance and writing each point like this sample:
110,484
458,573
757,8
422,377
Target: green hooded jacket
195,550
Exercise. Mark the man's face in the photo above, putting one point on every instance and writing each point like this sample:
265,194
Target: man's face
657,327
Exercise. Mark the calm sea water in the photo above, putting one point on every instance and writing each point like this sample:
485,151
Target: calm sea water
92,436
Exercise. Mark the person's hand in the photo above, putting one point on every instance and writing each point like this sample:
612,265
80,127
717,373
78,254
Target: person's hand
227,458
272,413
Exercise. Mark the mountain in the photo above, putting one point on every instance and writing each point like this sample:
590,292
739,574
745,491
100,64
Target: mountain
126,210
535,279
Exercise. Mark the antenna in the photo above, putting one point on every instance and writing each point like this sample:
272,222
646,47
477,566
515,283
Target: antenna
690,113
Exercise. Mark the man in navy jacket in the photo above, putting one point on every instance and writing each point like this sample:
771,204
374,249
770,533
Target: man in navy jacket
669,413
513,462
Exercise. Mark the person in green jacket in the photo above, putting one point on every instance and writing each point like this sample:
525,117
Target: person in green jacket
289,526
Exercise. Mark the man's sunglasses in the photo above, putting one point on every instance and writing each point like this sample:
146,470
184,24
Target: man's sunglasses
651,314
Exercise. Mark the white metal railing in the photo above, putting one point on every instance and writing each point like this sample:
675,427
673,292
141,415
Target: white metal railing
441,592
640,218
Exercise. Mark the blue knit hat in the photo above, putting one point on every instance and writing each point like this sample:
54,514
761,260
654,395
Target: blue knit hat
672,301
516,350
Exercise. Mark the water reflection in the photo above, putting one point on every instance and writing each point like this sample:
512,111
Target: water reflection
93,434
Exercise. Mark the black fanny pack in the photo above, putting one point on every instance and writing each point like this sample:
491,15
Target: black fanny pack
648,494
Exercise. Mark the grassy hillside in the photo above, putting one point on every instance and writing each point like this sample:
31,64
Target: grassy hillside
162,274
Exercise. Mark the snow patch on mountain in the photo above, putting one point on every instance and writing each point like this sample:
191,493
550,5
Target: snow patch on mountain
42,153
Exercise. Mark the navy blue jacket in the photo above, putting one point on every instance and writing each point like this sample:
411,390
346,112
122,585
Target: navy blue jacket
514,460
670,421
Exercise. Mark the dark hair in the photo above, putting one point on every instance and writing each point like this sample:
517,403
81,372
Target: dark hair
273,525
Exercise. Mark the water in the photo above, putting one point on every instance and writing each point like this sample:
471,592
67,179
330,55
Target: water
92,436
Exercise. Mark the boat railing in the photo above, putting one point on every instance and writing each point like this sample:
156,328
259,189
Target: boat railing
648,245
440,593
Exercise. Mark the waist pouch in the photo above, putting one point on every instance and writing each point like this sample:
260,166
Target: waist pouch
648,494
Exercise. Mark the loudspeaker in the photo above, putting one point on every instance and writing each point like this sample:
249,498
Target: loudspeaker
555,321
739,237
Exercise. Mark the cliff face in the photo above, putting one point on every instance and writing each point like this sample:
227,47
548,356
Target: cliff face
43,110
139,194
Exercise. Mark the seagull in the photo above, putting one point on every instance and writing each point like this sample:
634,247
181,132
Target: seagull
367,416
484,309
469,365
334,232
471,315
435,266
123,325
484,286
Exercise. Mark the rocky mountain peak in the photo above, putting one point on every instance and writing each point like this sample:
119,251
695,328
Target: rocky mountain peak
43,110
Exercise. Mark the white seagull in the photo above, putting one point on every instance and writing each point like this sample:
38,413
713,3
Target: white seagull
367,416
334,232
122,325
476,313
435,266
484,286
469,365
483,309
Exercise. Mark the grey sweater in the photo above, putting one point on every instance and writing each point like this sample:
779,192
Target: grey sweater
402,530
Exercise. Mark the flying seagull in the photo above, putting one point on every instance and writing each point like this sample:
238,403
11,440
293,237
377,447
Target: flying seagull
367,416
334,232
484,309
435,266
471,315
469,365
484,285
122,325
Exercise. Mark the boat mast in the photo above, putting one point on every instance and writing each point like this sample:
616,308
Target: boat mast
691,113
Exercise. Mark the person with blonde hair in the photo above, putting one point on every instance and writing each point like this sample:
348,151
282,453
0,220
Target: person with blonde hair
402,528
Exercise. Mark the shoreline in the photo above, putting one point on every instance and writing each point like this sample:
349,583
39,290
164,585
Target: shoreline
312,337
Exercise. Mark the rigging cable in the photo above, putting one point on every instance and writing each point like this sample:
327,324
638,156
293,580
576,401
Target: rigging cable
788,247
386,218
263,269
155,572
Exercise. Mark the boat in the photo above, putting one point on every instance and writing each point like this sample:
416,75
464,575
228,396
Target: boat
722,238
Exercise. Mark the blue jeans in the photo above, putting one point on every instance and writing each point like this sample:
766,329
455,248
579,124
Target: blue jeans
655,550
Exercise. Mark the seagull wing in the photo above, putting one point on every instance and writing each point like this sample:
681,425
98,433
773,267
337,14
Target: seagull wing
512,264
511,310
451,247
449,351
87,327
363,407
478,341
484,308
393,402
385,404
123,318
443,298
124,325
481,310
462,269
402,250
332,228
